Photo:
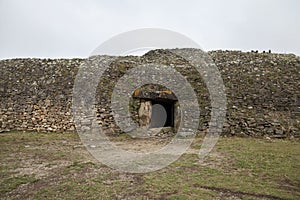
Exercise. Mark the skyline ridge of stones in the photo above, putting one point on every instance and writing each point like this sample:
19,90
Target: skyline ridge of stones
269,51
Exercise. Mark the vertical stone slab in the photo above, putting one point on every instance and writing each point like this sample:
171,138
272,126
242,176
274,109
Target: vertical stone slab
145,113
177,116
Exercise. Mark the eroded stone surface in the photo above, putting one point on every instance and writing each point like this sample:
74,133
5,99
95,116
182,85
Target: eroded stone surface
263,95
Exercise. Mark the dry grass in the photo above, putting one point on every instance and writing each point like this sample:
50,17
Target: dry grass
57,166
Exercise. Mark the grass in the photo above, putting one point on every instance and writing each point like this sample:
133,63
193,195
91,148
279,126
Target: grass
56,166
12,183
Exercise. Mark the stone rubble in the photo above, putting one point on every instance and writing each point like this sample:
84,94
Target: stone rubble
263,92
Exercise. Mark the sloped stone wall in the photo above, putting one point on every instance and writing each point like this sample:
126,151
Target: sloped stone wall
36,94
263,92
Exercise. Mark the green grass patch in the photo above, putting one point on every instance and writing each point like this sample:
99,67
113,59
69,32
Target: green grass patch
12,183
245,168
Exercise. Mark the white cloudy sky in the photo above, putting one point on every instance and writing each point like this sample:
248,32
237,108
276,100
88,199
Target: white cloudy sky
74,28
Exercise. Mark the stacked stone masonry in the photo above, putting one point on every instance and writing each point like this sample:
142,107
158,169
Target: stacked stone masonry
263,92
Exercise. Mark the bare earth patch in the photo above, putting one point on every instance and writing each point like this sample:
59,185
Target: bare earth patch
57,166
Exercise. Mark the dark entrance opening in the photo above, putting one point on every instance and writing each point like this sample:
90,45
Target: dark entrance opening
162,114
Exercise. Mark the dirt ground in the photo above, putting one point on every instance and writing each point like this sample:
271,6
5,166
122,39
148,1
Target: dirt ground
47,166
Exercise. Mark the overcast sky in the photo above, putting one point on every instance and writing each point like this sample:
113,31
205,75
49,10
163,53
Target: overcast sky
70,28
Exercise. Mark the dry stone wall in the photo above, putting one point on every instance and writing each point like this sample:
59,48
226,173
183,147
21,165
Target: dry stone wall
263,92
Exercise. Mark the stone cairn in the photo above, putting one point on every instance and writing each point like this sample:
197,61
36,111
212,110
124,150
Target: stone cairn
263,92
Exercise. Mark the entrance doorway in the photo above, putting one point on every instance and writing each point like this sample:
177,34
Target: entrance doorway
162,114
